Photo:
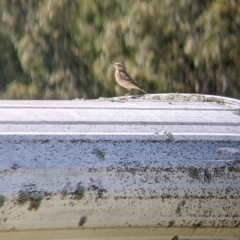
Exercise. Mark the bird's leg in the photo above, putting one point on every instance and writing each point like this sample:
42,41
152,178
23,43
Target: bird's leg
128,93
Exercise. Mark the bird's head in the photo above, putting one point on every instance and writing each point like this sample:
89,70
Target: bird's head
118,66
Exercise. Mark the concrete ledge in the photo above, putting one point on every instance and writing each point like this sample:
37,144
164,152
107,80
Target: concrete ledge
156,162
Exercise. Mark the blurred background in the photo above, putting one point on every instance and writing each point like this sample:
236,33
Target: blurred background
63,49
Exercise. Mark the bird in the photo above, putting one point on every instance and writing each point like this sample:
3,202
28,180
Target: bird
124,80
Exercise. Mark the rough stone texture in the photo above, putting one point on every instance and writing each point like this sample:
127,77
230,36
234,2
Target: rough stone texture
155,161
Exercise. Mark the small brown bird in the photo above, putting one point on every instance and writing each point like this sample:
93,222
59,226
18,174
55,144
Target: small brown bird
124,80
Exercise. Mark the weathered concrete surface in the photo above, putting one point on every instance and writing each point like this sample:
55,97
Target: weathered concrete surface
160,161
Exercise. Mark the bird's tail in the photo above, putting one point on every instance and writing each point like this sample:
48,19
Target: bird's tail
143,91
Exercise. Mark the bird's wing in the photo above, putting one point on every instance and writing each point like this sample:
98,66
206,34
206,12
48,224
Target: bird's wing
125,76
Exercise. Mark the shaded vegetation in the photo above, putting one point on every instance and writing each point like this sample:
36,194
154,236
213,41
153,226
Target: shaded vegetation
194,173
178,210
35,201
199,224
175,238
171,223
79,191
99,153
2,200
64,192
23,197
208,177
82,221
63,49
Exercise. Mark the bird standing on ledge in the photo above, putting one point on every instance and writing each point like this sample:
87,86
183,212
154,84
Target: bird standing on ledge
124,80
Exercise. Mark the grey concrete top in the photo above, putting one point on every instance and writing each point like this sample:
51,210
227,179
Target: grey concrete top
150,116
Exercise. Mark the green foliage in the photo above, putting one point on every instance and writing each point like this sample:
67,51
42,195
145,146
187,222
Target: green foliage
23,197
183,203
99,153
175,237
64,192
79,191
171,223
62,49
35,201
82,221
2,200
178,210
208,177
194,173
199,224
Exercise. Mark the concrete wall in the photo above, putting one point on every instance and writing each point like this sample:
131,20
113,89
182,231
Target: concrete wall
163,162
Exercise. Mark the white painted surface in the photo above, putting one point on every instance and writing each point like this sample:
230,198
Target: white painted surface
99,117
137,155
